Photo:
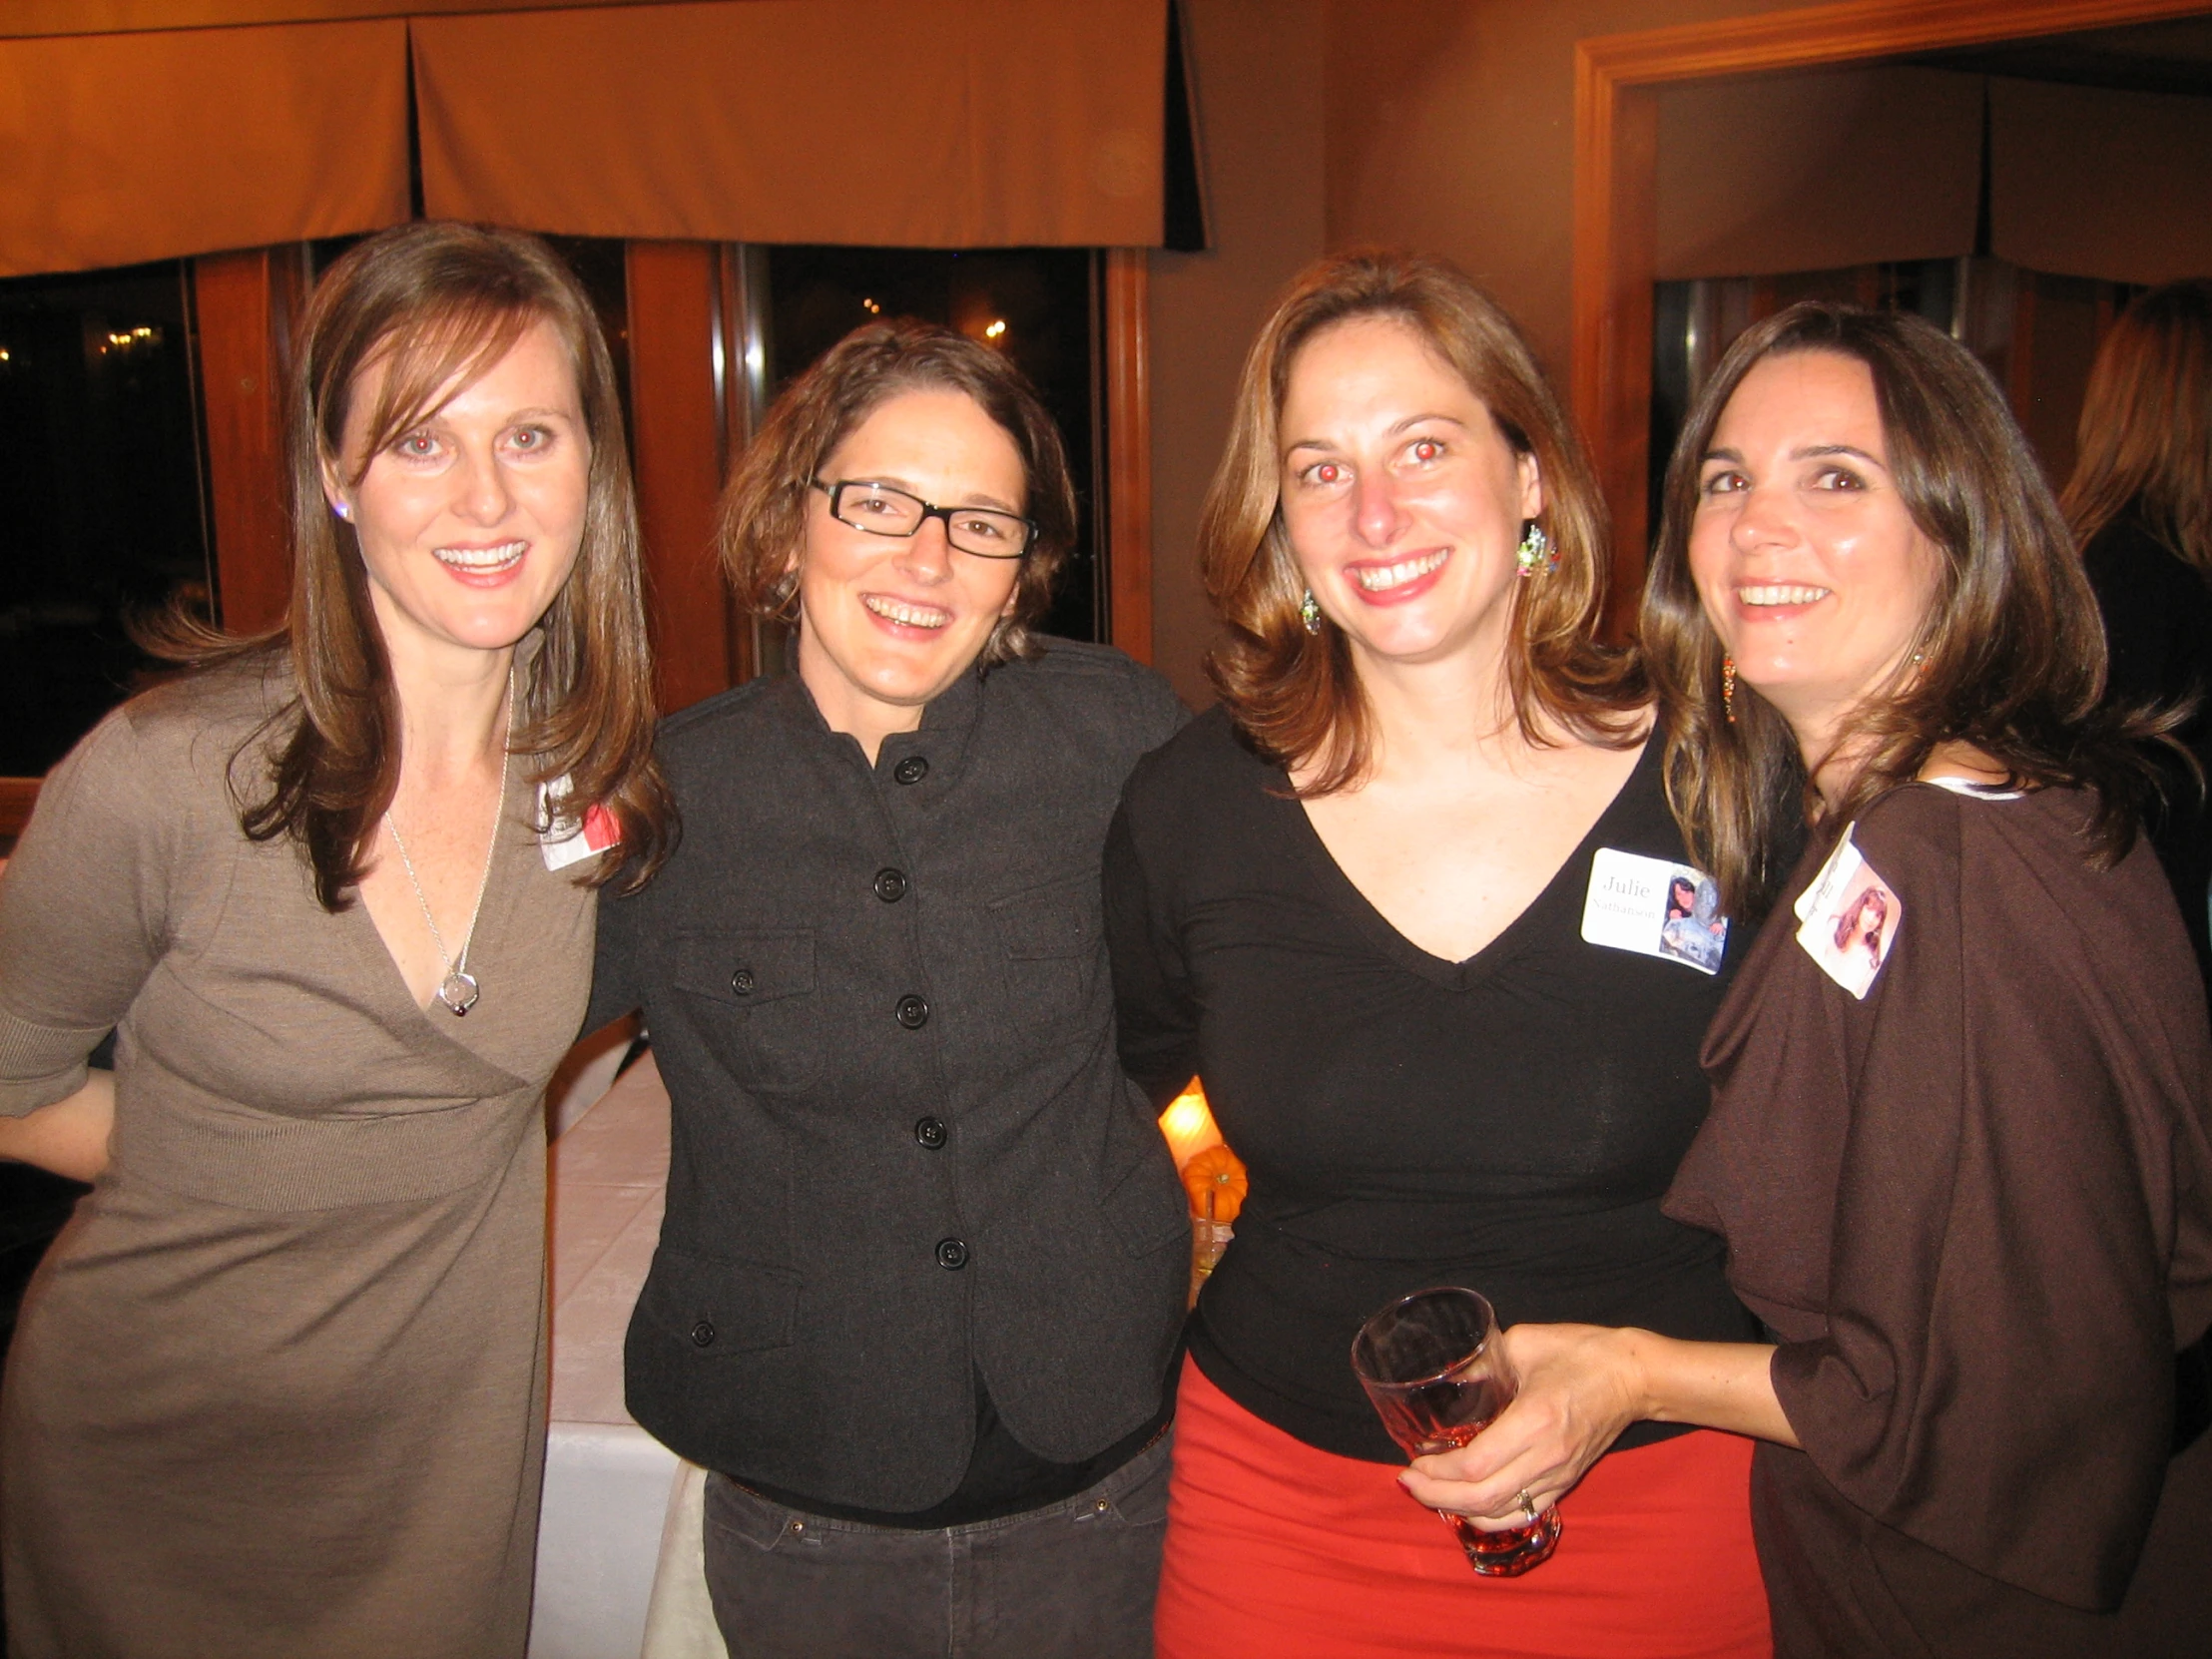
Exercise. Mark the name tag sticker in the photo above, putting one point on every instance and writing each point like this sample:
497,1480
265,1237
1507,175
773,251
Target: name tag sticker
1655,909
1849,919
565,840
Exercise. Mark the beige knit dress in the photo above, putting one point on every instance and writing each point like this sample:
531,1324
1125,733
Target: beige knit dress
280,1387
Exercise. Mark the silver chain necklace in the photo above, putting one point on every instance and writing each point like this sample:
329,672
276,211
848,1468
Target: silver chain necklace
457,990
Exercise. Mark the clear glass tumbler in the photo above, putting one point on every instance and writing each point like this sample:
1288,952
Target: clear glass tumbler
1427,1363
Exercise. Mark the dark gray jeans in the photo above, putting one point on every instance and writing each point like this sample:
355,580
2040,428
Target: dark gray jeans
1076,1578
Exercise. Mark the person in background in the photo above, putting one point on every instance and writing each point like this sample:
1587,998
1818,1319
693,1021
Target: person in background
924,1256
2140,506
1400,899
278,1389
1959,1141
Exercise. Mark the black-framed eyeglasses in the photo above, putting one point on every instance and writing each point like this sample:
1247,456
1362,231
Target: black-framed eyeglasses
881,510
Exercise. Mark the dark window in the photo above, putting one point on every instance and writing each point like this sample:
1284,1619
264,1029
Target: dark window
100,471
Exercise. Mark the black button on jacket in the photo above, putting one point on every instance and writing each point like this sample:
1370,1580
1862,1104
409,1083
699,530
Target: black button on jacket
833,1153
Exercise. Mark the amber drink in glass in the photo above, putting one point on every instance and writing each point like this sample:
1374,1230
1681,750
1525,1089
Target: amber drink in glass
1428,1362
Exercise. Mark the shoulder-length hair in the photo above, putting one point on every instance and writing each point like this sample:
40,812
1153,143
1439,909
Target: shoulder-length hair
2009,657
762,519
2145,438
439,304
1297,695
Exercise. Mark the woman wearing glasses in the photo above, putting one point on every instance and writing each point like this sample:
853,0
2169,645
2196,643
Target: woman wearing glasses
924,1253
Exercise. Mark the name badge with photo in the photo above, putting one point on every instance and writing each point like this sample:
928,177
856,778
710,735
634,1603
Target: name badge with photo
1655,908
1849,919
568,841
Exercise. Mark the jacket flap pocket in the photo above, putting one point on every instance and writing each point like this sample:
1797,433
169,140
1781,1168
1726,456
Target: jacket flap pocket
746,970
1061,919
717,1307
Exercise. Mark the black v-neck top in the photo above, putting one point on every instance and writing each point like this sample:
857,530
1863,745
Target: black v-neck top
1508,1123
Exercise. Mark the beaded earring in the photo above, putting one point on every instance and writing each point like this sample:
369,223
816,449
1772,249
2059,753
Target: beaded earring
1535,550
1308,613
1728,688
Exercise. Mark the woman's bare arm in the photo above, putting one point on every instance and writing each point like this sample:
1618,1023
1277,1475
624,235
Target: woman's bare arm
1580,1385
71,1136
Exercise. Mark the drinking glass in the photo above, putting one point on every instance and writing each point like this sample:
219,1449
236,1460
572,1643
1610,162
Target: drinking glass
1427,1362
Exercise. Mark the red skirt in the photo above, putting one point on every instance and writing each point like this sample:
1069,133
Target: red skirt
1277,1550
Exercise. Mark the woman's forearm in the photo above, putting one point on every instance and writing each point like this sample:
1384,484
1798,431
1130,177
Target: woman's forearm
70,1137
1713,1384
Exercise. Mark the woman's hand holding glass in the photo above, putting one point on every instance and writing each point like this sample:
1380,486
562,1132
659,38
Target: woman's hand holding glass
1579,1389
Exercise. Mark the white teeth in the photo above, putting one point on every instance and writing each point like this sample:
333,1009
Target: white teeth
913,615
1779,594
1398,575
478,559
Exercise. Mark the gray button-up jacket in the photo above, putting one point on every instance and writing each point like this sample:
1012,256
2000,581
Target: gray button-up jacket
904,1152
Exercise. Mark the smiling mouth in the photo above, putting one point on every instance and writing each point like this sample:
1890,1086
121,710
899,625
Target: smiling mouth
481,561
1382,578
1779,594
898,610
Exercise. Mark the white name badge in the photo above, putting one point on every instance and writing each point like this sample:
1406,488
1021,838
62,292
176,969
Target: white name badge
1655,909
1849,919
567,841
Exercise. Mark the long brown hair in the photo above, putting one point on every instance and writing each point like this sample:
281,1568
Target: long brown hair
1297,695
2010,658
762,519
2145,438
440,304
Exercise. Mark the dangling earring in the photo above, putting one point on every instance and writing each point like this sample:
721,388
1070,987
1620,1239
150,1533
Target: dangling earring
1535,549
1728,688
1308,613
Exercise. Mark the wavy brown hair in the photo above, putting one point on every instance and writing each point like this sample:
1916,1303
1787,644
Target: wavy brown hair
2010,658
1297,695
438,304
762,520
2145,438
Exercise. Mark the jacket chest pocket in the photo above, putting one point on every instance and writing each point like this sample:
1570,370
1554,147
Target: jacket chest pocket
752,1000
1053,941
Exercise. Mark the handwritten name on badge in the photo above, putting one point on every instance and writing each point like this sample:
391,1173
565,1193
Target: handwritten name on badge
1849,919
565,840
1655,909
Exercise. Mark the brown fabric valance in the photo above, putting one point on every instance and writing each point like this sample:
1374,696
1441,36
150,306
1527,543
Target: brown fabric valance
2091,182
1817,171
130,146
906,123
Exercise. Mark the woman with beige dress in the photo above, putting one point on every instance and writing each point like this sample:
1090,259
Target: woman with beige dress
278,1387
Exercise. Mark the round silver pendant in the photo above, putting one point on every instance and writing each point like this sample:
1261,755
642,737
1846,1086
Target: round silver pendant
459,992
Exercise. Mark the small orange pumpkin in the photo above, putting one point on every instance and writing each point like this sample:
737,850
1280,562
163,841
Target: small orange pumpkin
1215,1181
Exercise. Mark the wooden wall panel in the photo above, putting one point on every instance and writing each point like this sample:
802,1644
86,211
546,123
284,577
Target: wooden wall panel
245,304
1128,357
674,296
17,797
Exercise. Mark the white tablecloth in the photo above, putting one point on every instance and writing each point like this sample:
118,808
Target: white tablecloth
613,1493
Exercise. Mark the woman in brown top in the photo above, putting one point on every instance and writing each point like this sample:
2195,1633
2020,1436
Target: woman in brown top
1959,1141
278,1388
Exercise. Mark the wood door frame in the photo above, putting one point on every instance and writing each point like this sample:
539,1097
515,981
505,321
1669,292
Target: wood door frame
17,797
678,453
1616,145
245,307
1128,360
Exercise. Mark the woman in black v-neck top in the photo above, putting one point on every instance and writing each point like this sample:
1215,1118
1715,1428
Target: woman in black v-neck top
1509,1123
1402,537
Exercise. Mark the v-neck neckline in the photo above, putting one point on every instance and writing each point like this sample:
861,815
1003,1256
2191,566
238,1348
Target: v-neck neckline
1473,970
487,939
